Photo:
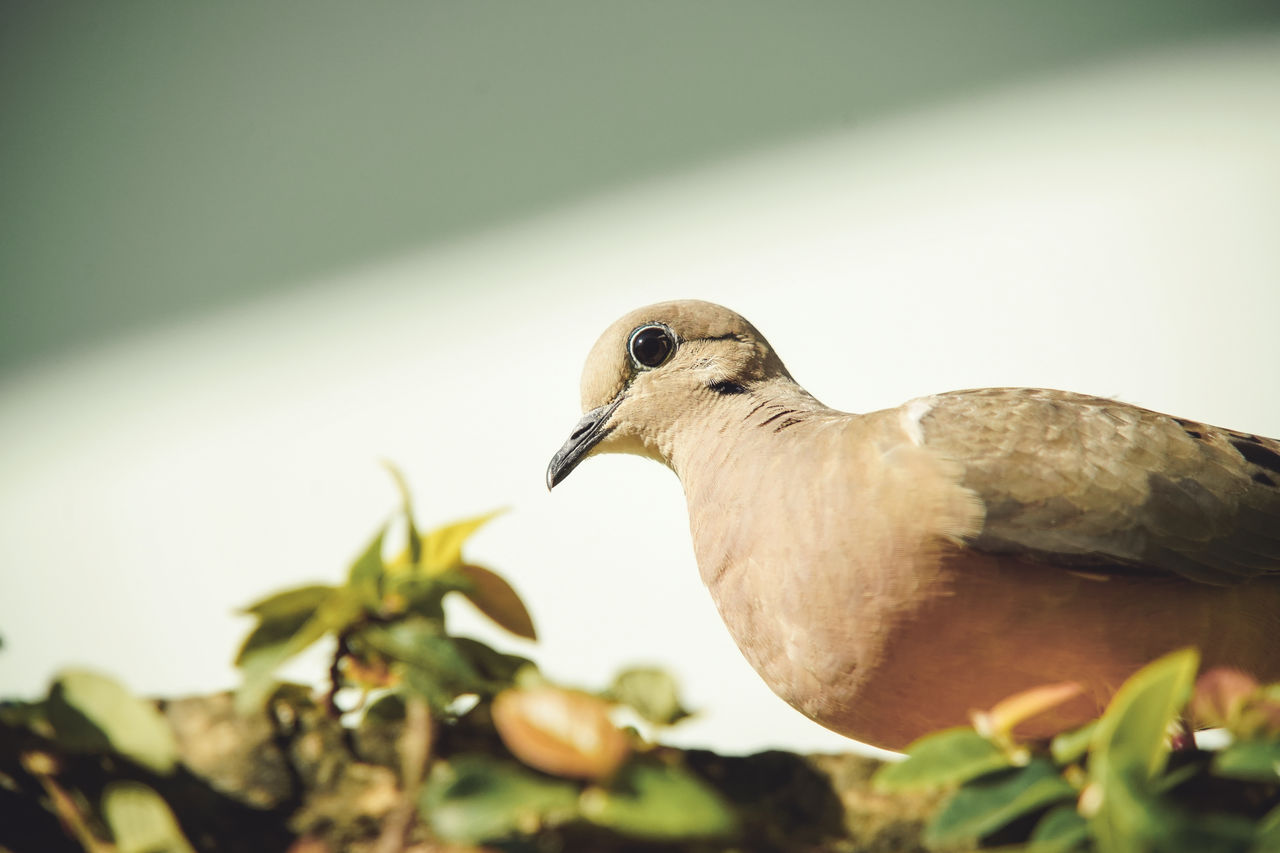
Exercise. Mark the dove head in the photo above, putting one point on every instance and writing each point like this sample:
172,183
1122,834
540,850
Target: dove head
657,366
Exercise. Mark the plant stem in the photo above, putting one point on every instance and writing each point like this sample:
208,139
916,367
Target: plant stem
335,675
415,757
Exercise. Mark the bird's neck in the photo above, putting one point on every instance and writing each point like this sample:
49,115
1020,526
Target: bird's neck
732,427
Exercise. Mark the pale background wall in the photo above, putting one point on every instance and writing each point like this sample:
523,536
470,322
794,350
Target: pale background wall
245,255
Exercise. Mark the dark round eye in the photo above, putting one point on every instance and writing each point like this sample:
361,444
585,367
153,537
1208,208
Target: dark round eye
650,346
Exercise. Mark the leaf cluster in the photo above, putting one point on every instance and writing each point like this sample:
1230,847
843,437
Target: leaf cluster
564,760
1116,784
90,715
388,621
486,748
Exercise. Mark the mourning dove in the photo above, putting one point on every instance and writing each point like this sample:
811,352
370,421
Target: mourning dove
888,573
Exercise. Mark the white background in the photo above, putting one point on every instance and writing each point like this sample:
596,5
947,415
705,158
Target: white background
1115,231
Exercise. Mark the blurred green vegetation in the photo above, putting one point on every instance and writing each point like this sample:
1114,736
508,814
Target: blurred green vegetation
420,735
426,737
1116,785
162,159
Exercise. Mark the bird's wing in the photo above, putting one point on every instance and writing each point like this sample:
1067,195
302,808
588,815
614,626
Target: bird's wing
1097,485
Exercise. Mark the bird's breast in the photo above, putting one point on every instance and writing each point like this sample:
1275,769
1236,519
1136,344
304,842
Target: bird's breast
813,549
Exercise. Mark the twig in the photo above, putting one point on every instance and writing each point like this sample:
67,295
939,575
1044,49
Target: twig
335,675
415,756
43,766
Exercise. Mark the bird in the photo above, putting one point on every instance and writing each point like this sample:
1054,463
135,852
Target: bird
887,574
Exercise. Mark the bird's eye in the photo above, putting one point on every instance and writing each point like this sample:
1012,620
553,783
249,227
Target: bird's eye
652,345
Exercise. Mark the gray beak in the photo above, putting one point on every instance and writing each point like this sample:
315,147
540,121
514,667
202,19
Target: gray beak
589,431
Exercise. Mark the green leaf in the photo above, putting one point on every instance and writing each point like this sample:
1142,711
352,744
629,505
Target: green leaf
1130,736
1129,749
495,598
1268,837
23,715
659,802
984,805
1257,760
387,709
406,504
1139,821
338,611
365,575
1125,813
942,758
423,595
652,692
1171,779
281,616
1060,831
474,799
497,668
1070,747
141,821
442,547
1183,832
91,712
299,600
419,642
432,663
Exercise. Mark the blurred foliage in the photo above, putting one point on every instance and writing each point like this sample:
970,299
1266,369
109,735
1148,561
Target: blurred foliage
487,749
1116,784
90,716
423,739
389,623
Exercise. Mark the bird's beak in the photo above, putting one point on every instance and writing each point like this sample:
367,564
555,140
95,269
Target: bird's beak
589,432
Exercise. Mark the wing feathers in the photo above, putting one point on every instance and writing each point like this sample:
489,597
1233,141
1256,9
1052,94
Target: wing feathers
1086,481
